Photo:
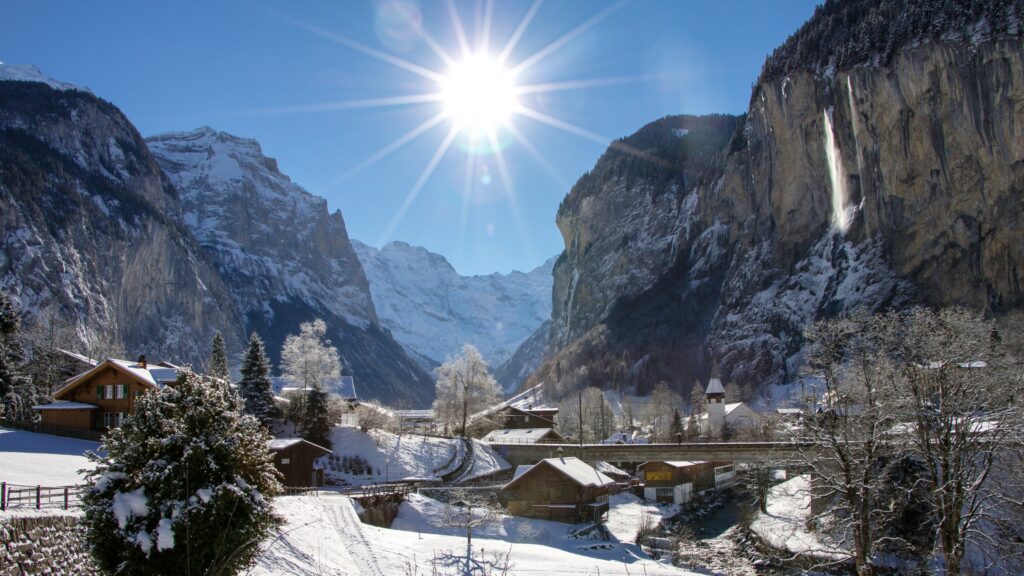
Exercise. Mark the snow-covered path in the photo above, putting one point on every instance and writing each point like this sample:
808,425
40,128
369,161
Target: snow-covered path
343,517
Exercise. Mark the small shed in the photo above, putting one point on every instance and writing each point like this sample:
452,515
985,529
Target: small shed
560,489
676,481
295,459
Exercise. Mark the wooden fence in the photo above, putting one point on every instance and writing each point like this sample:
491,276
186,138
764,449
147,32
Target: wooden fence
19,496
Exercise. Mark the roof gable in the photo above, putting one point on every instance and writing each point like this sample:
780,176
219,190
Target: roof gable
573,468
130,369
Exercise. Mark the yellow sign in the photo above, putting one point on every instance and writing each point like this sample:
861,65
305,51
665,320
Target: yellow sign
657,475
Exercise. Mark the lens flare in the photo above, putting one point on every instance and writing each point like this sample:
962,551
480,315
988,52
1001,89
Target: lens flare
479,94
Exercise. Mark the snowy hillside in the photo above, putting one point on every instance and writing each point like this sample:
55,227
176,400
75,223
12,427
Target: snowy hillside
433,310
31,459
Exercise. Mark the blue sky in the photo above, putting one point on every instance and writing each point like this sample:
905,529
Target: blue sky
276,71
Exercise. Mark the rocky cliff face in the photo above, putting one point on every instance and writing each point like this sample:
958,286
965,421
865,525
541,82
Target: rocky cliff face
91,228
875,186
433,310
283,256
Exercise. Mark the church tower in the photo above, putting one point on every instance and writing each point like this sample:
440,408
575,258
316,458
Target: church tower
715,395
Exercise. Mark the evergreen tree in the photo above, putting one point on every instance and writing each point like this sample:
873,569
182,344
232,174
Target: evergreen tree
676,431
13,386
316,422
218,358
183,486
255,386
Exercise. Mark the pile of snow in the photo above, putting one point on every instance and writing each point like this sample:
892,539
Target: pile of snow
32,459
407,456
784,527
628,513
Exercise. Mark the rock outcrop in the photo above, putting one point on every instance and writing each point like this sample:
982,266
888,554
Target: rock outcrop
877,186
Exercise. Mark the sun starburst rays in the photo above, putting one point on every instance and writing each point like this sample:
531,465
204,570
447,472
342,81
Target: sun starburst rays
478,92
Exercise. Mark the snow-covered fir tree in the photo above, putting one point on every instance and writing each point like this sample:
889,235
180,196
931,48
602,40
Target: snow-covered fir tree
218,358
316,422
255,386
183,486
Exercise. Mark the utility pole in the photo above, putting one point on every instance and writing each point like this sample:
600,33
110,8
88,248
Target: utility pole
581,418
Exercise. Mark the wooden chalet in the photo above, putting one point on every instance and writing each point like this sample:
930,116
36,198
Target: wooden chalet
295,459
514,417
100,398
677,482
559,489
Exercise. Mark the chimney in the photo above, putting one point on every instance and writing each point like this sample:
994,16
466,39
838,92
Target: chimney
142,361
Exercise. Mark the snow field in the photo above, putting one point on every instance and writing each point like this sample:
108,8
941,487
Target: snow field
32,459
323,536
784,527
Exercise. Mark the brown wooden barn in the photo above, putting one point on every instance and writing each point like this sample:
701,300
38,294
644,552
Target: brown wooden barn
101,397
677,481
560,489
296,458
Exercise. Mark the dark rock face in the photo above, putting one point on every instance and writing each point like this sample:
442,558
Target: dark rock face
869,188
90,227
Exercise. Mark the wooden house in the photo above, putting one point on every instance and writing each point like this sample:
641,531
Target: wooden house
560,489
676,482
295,459
101,397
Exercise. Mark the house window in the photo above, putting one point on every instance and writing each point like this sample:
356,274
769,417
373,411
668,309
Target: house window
285,461
112,419
108,391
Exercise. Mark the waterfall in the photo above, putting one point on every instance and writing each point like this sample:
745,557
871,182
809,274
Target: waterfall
836,174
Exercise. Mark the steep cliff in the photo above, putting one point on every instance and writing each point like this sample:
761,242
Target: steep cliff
283,256
895,180
91,228
433,310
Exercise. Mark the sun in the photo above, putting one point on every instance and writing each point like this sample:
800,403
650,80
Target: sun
478,94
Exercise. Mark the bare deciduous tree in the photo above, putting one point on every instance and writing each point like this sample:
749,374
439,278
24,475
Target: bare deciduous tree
464,387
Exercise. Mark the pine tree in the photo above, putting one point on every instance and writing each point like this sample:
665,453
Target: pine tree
183,486
255,386
316,422
13,385
676,430
218,358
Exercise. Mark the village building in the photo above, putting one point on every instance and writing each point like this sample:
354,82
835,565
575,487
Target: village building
722,420
295,459
524,410
416,421
634,437
100,398
678,482
559,489
523,436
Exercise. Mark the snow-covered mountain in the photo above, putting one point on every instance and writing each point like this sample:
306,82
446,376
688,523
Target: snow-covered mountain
284,257
29,73
433,310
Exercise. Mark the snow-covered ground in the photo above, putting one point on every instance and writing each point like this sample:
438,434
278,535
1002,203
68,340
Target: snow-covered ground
784,527
397,457
323,536
34,459
628,513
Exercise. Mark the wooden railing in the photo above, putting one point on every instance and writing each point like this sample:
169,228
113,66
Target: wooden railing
19,496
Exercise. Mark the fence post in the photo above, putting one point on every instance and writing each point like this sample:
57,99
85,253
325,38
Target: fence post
3,496
39,494
65,497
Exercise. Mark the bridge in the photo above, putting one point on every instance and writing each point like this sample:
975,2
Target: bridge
523,453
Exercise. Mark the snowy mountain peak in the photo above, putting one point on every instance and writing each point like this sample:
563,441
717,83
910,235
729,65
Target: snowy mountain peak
30,73
239,205
432,310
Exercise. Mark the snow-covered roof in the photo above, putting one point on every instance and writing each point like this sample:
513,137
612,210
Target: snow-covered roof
715,387
155,375
530,399
625,438
276,444
415,414
79,357
519,435
575,469
676,463
66,405
345,386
